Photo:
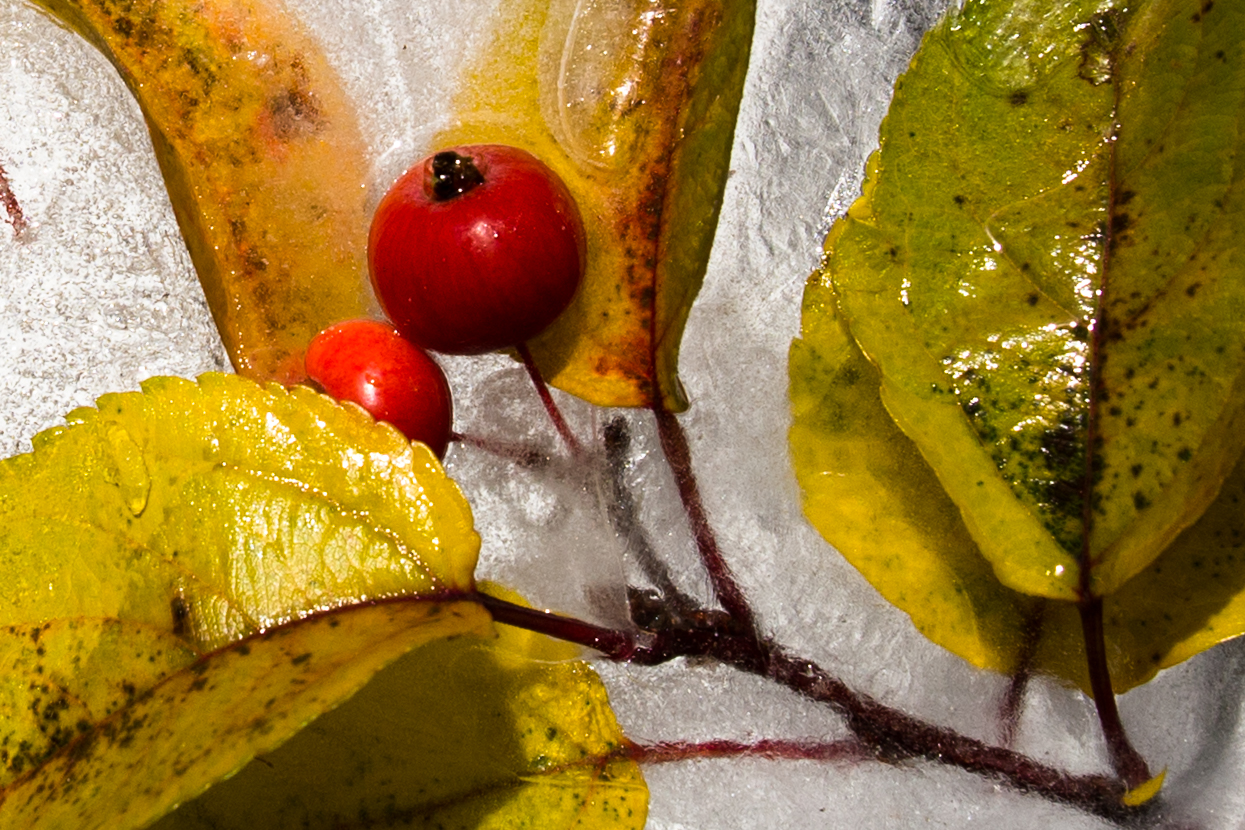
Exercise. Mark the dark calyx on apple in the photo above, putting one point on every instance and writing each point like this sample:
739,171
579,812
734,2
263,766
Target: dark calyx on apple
476,248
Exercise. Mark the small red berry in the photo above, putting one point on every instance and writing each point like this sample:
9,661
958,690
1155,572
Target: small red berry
370,363
476,248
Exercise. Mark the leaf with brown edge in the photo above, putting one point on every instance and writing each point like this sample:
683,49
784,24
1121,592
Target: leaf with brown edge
643,141
500,733
164,536
262,158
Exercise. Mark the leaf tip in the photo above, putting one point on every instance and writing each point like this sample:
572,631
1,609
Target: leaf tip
1144,792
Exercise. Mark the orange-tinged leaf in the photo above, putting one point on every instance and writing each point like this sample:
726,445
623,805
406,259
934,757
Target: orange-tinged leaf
634,105
263,162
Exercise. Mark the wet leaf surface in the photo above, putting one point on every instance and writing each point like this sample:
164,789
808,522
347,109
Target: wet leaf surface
181,567
510,732
1024,350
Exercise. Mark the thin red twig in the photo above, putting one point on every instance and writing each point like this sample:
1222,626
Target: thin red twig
542,389
679,456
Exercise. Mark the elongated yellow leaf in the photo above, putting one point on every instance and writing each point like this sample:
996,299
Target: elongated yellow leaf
634,105
146,548
262,159
167,742
463,733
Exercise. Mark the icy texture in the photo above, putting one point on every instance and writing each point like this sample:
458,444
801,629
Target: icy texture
99,294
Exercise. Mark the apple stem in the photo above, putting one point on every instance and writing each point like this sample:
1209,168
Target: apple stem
11,206
1125,760
679,457
546,398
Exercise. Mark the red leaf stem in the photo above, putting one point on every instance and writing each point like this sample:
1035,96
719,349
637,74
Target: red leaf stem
551,407
679,457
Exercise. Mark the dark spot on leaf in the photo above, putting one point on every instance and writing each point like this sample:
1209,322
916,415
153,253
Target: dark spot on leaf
1185,454
1124,197
1140,501
1136,470
1018,98
1176,419
1192,289
959,200
198,683
1032,298
181,615
300,659
295,113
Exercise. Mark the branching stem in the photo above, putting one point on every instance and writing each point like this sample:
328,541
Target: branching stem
883,733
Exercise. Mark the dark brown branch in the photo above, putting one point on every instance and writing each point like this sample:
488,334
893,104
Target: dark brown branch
622,515
889,734
1018,683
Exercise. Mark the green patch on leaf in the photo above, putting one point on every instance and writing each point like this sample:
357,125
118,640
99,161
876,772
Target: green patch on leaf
1022,361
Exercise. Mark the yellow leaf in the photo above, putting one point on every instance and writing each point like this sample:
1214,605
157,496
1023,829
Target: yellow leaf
463,733
164,743
174,569
1043,301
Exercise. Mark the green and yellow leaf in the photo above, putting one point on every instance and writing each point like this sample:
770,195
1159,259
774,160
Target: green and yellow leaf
193,572
634,106
1037,305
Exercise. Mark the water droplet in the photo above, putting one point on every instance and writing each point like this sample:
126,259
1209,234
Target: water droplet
131,474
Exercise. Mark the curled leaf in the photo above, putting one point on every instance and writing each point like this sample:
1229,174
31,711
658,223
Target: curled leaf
634,105
263,162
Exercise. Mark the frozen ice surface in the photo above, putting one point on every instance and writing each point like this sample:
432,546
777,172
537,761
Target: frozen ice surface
99,294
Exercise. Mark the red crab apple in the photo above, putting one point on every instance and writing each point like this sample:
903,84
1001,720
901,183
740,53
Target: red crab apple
476,248
370,363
